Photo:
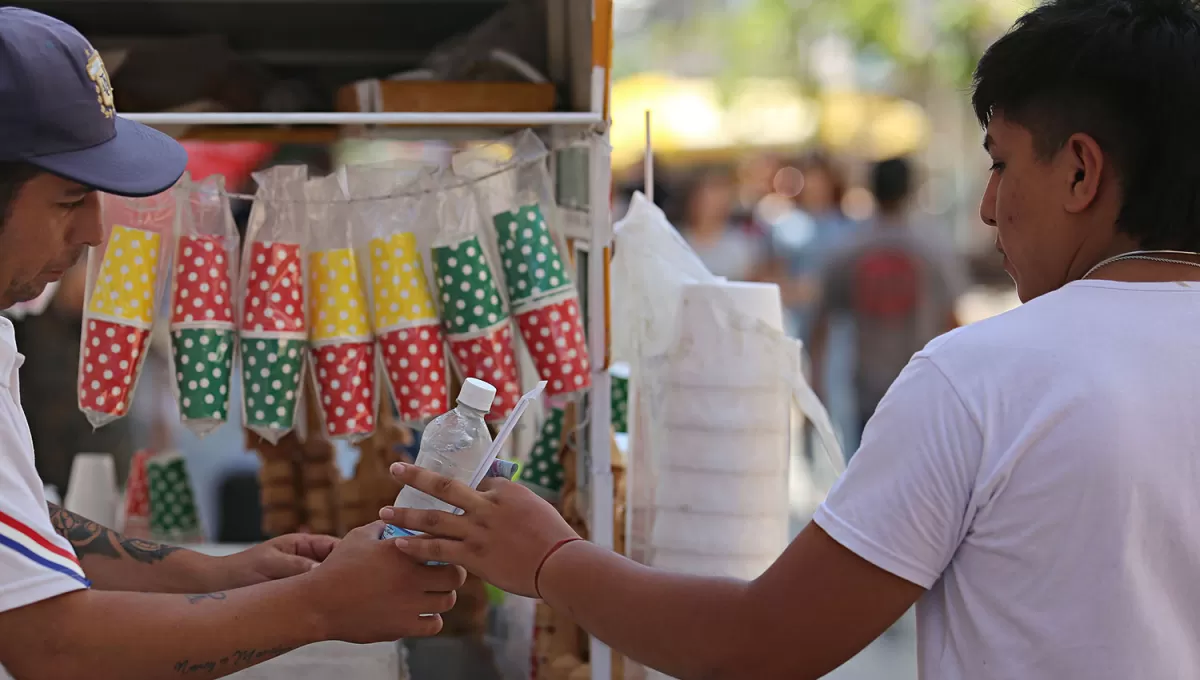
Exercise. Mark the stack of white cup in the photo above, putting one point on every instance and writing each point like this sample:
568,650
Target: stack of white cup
92,488
721,490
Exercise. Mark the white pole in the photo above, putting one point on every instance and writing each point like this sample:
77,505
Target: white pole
600,417
648,163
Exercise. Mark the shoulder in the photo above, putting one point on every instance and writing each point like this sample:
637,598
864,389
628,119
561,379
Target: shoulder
995,345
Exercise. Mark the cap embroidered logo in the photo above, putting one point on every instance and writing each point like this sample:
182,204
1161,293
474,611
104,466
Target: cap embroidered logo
99,77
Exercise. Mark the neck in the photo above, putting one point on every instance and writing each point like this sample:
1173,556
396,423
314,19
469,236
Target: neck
1140,270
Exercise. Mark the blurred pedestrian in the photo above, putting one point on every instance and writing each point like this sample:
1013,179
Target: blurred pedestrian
898,288
709,227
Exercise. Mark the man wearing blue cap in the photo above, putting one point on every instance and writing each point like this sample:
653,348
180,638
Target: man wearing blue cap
76,599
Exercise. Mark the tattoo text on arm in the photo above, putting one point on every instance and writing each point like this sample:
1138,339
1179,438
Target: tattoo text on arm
193,599
239,659
90,538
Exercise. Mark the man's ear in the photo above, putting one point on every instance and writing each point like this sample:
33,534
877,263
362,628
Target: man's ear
1082,163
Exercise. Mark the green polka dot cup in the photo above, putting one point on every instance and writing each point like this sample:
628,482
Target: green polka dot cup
271,372
544,471
470,300
203,366
533,267
173,515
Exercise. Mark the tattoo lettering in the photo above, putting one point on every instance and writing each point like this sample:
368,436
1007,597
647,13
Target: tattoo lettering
239,659
193,599
90,538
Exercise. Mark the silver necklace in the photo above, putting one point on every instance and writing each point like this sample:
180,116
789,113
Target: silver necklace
1145,255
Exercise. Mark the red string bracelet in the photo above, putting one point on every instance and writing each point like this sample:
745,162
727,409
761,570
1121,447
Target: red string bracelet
537,575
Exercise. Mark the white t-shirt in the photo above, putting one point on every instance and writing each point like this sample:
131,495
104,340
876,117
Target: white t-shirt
35,562
1039,474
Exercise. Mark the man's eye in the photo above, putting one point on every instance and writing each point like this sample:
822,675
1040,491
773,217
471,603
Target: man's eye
997,166
73,204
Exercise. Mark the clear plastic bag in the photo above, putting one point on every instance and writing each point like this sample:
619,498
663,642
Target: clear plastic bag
516,194
203,335
126,276
392,242
340,338
695,504
473,308
273,324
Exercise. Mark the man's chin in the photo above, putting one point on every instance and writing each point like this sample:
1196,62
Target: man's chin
22,293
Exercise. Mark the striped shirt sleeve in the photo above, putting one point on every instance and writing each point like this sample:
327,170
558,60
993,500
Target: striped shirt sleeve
35,562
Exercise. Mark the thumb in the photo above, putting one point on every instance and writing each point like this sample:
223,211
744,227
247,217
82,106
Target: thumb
283,565
369,532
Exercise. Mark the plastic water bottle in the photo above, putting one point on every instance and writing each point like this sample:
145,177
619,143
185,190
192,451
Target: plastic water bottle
453,445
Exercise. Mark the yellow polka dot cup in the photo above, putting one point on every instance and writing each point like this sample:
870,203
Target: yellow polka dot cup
127,282
399,289
339,306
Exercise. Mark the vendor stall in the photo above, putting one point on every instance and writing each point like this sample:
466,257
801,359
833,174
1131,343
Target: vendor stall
466,76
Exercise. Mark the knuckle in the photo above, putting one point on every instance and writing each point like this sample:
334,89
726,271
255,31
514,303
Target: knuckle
444,484
430,519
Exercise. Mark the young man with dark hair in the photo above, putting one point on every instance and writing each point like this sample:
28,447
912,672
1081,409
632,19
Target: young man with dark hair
1029,481
76,599
897,286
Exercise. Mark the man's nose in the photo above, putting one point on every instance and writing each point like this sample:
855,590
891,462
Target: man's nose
987,205
86,228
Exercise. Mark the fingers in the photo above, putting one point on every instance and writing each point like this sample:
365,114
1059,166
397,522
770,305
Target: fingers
427,521
425,626
443,488
427,549
434,603
318,547
315,547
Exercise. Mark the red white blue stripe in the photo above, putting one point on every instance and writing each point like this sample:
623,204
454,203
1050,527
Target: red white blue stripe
19,539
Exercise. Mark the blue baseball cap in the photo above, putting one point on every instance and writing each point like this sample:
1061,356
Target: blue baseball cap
57,113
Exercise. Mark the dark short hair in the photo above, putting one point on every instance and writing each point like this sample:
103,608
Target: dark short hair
1125,72
891,181
13,176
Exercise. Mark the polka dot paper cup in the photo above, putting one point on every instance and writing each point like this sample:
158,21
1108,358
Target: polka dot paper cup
533,267
414,361
203,361
127,282
553,333
274,337
339,305
345,382
201,290
489,357
272,373
110,362
274,289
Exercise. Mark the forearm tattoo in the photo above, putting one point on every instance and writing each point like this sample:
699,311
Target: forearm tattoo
241,658
89,538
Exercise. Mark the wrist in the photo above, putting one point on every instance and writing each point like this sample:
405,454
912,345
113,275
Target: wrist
197,572
551,582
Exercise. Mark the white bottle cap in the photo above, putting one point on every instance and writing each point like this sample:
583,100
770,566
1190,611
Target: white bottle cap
477,394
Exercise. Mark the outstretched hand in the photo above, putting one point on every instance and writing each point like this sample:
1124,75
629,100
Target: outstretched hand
280,557
503,535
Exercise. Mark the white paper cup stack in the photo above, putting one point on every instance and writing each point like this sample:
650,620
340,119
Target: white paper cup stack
721,490
92,488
